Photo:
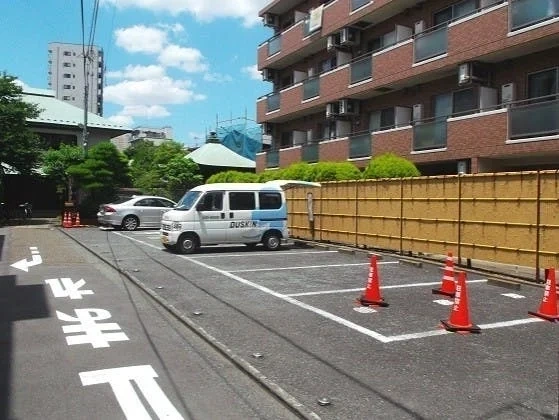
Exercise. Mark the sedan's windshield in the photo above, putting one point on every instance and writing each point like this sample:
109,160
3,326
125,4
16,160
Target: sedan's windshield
188,200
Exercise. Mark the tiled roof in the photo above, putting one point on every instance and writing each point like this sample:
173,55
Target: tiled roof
55,111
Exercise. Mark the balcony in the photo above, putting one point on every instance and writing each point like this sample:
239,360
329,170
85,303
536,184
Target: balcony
311,88
273,102
430,43
310,152
361,69
429,134
360,146
272,159
534,119
529,12
274,45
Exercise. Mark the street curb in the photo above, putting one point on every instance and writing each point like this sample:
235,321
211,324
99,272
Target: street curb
282,395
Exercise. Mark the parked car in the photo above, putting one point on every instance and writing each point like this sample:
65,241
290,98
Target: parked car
130,213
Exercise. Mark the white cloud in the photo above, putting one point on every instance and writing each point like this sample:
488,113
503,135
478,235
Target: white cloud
175,28
140,38
151,92
145,111
247,10
124,120
190,60
138,72
252,72
217,78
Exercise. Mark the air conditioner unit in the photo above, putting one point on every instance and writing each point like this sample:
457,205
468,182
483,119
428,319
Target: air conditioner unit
333,41
507,93
349,36
418,26
268,75
267,139
349,107
332,109
310,135
417,112
471,72
271,20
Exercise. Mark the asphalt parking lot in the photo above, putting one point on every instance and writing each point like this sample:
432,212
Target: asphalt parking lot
299,308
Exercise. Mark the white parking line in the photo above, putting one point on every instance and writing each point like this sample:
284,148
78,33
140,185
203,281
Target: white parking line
339,320
255,254
403,337
394,286
307,266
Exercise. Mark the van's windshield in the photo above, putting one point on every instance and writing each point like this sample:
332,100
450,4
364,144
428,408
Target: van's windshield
188,200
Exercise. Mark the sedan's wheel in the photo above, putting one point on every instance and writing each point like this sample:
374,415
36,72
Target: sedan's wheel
272,241
130,223
187,243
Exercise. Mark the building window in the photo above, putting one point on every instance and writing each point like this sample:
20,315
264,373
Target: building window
382,120
455,11
67,87
463,101
67,65
543,83
67,53
67,75
66,98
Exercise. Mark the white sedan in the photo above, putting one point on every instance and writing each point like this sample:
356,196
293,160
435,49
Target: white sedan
133,212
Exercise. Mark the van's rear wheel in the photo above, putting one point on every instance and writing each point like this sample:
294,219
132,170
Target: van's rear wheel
272,241
187,243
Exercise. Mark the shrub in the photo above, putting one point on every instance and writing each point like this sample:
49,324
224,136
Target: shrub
390,165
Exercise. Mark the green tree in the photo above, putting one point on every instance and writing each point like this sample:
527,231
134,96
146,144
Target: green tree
390,165
55,164
19,146
163,169
180,174
100,175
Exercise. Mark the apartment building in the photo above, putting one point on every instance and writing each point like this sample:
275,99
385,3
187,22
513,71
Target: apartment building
468,86
67,78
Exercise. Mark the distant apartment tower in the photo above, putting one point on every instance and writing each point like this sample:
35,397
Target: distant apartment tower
156,135
67,78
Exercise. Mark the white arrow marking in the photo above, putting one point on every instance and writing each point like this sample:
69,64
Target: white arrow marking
24,264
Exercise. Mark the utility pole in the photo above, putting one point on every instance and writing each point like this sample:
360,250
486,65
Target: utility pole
85,100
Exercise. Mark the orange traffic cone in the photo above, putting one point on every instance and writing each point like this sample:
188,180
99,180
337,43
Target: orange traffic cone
371,296
548,307
77,221
66,220
448,285
459,315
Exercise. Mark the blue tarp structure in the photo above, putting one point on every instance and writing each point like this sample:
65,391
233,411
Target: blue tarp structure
243,141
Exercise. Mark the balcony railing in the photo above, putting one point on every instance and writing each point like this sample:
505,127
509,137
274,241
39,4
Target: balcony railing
529,12
356,4
429,135
430,43
311,87
361,69
272,159
360,146
273,102
534,119
274,45
310,152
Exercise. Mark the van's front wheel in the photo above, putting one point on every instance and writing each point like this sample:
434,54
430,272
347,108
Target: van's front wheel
272,241
187,243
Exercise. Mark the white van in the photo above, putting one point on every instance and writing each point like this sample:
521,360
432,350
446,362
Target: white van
229,213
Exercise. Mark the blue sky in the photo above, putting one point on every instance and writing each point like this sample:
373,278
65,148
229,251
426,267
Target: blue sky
177,63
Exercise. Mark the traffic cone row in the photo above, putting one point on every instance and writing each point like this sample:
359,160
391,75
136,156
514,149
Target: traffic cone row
459,319
71,219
